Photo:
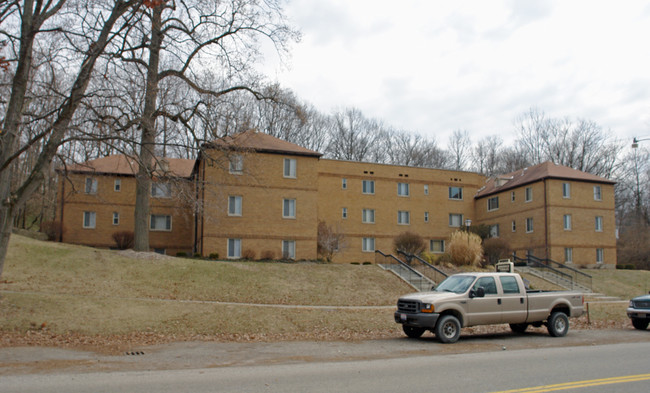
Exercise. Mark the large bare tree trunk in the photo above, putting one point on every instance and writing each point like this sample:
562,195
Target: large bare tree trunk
148,139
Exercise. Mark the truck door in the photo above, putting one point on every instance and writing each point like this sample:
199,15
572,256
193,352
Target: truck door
485,310
514,301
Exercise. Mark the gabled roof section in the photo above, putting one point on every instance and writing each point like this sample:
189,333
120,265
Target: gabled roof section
260,142
545,170
120,164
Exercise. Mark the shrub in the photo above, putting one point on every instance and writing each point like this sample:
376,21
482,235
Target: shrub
465,248
248,254
267,255
214,255
196,255
181,254
494,249
409,243
52,229
123,239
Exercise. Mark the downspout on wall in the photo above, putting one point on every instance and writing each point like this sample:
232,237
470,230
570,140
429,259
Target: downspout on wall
545,221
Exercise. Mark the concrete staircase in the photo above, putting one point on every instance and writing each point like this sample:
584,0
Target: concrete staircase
553,278
418,281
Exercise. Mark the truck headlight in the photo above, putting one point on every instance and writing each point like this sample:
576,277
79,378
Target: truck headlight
631,304
426,307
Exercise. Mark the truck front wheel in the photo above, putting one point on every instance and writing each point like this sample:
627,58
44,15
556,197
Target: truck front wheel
641,324
413,332
558,324
448,329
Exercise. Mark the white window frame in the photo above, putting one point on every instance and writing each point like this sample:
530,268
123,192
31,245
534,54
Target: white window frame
455,193
529,225
566,190
441,242
90,186
368,216
493,204
426,189
598,224
368,187
426,216
451,220
368,244
528,192
89,220
600,256
494,230
290,169
117,185
344,213
236,164
403,189
235,205
288,208
344,183
598,193
403,217
288,249
116,218
568,255
153,219
514,226
161,190
512,196
234,248
566,220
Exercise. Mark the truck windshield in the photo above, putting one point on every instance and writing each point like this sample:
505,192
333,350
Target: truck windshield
456,284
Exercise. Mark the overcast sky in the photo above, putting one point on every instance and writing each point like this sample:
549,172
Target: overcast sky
436,66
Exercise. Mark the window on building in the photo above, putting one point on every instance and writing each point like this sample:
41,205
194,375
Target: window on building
455,220
117,186
234,248
568,255
426,189
403,217
236,165
456,193
566,190
344,183
290,167
512,196
597,193
493,203
567,222
494,230
426,216
288,249
529,194
368,186
91,185
289,208
368,244
89,220
368,216
234,205
403,189
514,226
344,213
161,190
599,224
116,218
529,224
599,255
160,251
437,246
160,222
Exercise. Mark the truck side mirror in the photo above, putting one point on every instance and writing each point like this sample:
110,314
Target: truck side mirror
478,292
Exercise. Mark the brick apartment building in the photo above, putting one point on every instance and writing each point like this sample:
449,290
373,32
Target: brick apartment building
261,197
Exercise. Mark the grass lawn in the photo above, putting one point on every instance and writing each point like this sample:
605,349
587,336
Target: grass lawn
59,294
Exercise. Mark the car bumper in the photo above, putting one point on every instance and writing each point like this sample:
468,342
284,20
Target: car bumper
423,320
638,313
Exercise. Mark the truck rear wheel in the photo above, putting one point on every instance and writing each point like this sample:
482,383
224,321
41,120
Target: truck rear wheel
641,324
518,327
558,324
413,332
448,329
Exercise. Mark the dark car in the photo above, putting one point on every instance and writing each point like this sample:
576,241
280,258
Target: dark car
639,311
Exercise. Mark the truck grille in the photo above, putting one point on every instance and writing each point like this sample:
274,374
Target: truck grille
407,306
640,304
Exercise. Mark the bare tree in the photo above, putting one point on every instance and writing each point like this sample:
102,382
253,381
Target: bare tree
353,136
459,147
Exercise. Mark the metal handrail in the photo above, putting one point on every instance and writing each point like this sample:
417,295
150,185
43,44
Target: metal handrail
581,278
432,272
403,265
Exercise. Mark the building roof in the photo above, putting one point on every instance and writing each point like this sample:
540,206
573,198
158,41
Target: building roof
260,142
121,164
545,170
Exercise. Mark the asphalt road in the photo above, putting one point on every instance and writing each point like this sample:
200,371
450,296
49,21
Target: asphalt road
598,361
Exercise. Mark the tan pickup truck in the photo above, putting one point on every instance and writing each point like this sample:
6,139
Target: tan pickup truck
471,299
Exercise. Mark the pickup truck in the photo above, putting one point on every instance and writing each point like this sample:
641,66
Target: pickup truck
471,299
